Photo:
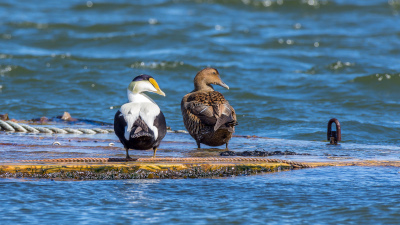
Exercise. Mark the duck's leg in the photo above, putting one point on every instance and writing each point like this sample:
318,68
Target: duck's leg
127,153
226,146
154,153
198,144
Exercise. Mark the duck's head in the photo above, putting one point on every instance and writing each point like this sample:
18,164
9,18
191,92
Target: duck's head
144,83
205,77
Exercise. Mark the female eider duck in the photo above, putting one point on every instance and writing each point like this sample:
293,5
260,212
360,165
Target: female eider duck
207,115
140,124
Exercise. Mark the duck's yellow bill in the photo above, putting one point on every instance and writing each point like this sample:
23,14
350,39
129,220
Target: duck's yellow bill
154,83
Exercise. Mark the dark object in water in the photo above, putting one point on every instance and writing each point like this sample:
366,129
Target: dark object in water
260,153
44,119
4,116
334,136
66,116
41,120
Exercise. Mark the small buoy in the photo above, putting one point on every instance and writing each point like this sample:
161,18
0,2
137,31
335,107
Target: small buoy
111,144
56,143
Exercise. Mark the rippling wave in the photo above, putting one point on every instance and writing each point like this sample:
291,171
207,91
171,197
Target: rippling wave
11,70
382,80
336,67
331,5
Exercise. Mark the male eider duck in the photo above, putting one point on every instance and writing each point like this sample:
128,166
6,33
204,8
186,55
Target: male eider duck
207,115
140,124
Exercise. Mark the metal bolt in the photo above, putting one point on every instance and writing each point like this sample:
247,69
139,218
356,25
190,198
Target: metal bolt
334,136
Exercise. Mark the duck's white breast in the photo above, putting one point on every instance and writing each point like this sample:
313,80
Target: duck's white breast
148,111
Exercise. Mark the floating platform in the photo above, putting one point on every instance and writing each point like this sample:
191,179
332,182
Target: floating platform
140,170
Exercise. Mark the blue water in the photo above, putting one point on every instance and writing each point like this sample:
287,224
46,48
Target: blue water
291,66
335,195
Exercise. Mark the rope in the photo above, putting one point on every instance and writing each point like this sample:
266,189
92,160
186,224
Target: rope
215,159
168,159
24,128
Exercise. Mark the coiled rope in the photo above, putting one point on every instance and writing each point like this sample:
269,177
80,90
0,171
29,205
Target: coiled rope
24,128
170,159
11,126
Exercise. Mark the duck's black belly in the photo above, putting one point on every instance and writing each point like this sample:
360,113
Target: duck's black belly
141,143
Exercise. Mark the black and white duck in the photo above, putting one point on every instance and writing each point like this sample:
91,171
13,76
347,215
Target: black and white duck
140,124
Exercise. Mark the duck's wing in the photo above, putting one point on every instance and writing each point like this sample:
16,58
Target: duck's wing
140,128
161,125
226,116
204,113
199,109
210,108
120,127
129,112
127,126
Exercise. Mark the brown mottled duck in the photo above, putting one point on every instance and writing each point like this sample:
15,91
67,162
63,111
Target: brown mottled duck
207,115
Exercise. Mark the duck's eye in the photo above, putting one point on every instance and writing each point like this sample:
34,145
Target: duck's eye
214,73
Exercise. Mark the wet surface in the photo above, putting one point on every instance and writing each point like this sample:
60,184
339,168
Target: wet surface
24,146
260,153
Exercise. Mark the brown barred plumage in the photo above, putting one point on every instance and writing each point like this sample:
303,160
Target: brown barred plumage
207,115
